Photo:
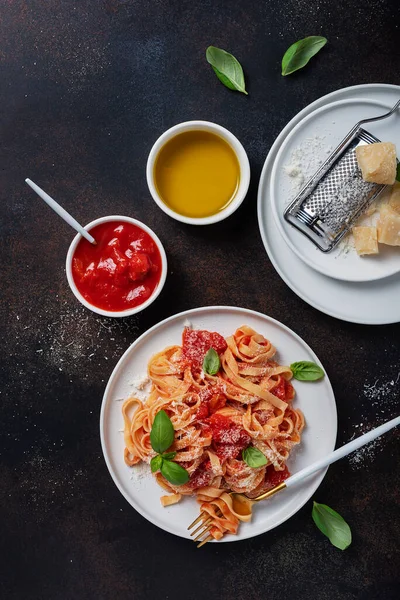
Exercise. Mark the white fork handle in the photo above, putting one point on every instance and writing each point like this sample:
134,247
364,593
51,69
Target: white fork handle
341,452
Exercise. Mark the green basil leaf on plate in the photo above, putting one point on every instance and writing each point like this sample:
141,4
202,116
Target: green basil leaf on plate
155,463
305,370
332,525
398,172
254,457
211,362
174,473
162,432
227,68
298,54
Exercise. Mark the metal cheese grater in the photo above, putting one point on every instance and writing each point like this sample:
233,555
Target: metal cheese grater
336,195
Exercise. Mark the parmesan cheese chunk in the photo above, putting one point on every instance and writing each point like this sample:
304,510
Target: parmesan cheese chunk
389,226
377,162
394,200
365,240
370,210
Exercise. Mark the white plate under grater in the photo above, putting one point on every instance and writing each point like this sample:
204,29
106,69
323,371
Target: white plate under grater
329,125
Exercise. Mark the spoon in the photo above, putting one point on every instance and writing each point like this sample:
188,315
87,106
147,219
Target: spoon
61,211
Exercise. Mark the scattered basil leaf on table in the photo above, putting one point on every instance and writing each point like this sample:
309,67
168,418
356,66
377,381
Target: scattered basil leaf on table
305,370
169,455
162,432
398,172
254,457
227,68
155,463
174,473
332,525
211,362
298,54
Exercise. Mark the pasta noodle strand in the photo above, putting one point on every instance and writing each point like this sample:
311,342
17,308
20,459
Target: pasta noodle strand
247,403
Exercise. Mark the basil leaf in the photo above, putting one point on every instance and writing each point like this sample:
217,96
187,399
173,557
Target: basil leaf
211,362
305,370
228,70
332,525
254,457
174,473
398,172
298,54
162,432
156,463
169,455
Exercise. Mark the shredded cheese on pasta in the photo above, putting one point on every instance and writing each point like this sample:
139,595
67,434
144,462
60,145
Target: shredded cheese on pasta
247,403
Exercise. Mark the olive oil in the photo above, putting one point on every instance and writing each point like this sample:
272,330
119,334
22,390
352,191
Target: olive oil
197,173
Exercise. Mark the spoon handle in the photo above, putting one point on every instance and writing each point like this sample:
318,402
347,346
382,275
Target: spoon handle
343,451
60,211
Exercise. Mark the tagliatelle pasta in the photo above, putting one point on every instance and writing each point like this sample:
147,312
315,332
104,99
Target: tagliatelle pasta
215,417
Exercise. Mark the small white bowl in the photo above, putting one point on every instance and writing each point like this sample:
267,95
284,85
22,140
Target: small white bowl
240,154
128,311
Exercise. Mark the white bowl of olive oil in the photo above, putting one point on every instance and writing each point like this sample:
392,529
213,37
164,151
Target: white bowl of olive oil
198,172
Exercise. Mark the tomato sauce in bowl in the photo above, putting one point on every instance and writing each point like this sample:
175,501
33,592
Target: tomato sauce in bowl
123,273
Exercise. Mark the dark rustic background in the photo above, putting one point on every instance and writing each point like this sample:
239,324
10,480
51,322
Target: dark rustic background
86,88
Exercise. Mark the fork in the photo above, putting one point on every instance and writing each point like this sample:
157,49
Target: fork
206,522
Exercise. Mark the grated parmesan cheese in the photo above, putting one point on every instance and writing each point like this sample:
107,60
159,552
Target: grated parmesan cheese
140,382
305,160
374,411
139,472
141,387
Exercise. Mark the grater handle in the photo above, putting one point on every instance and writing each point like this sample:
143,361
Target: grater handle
395,107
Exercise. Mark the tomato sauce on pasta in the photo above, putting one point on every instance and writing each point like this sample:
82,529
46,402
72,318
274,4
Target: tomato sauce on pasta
215,417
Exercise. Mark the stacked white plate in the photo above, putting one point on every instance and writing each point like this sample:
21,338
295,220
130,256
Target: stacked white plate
341,284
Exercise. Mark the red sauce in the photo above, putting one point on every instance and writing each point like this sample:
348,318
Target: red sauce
226,451
210,403
284,390
202,476
196,343
228,439
203,411
121,271
274,478
263,416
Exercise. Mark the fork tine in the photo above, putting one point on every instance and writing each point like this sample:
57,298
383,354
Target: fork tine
206,522
210,537
206,525
201,516
197,538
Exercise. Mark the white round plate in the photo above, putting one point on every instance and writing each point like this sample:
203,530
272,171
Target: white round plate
327,126
315,399
369,303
